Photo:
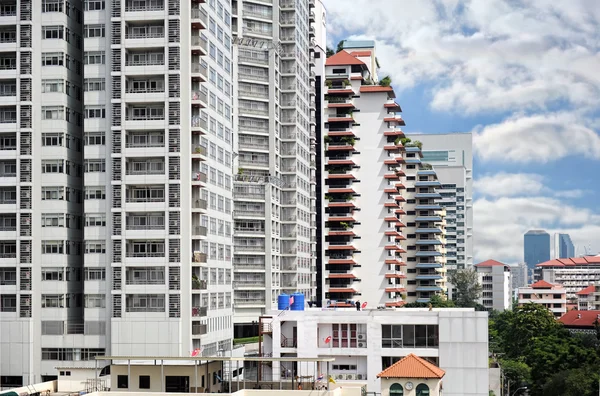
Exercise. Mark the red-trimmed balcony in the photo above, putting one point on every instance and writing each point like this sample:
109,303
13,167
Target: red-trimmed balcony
340,276
340,190
396,261
336,102
399,186
391,175
397,132
341,233
400,159
399,198
400,237
399,212
340,218
391,204
339,90
390,190
347,245
391,147
333,132
343,290
395,290
340,261
395,304
391,105
394,246
337,176
395,118
395,275
400,172
391,218
340,204
341,146
392,233
346,161
390,161
400,224
332,118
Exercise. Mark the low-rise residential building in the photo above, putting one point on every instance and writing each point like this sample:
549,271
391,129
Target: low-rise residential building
551,296
411,376
581,321
495,279
364,343
573,273
585,298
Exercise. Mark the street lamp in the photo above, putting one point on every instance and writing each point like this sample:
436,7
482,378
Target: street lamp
521,388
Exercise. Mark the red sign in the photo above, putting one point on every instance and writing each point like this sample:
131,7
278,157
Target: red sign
364,305
328,340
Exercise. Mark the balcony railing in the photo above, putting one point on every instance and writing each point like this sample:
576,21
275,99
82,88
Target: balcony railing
200,13
254,76
132,35
249,248
199,284
149,6
199,257
200,42
199,329
199,311
253,60
199,176
200,204
199,230
198,122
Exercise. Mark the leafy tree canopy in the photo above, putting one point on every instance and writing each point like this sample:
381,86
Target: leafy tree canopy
466,286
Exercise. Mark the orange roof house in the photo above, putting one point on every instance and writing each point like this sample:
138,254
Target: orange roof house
412,366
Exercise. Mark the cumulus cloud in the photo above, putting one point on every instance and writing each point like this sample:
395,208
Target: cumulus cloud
536,138
509,184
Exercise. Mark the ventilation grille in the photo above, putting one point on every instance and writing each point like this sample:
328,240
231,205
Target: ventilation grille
174,141
174,113
117,307
25,175
174,61
25,10
116,197
25,197
116,278
25,223
174,170
174,195
116,169
116,111
116,60
116,33
26,36
25,86
25,115
116,253
174,7
25,306
25,250
174,84
116,139
174,306
116,8
174,223
174,278
25,64
174,29
25,278
116,224
174,250
25,143
116,87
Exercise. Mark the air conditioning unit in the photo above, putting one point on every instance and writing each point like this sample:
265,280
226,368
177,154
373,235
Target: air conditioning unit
361,336
339,377
350,376
360,376
361,344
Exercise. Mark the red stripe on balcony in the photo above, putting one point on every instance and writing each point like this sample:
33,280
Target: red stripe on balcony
340,148
395,290
341,133
341,276
390,161
390,147
341,247
341,191
391,233
339,105
394,133
333,219
341,233
391,176
391,218
395,276
390,190
341,262
391,205
341,290
340,162
340,176
339,91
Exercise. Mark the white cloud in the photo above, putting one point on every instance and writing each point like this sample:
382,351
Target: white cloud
536,138
509,184
576,193
499,225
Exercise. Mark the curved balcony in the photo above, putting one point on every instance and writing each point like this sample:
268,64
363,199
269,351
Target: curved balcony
429,265
428,241
395,275
428,253
428,195
340,276
429,288
395,118
435,230
341,261
342,290
395,290
396,261
396,132
432,183
429,277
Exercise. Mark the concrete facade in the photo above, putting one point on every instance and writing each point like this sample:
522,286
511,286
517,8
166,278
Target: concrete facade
551,296
366,346
451,155
495,279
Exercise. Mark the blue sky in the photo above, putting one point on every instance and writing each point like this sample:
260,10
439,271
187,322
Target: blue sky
524,78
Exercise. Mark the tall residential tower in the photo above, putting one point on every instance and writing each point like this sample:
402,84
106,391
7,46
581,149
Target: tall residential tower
451,154
128,250
274,197
536,248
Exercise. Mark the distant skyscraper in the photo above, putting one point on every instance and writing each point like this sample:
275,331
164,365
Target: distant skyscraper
537,247
563,246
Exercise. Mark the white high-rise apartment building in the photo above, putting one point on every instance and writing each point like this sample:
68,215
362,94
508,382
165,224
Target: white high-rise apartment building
274,196
129,251
384,232
452,156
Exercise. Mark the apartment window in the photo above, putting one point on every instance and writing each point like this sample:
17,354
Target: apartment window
95,247
94,5
145,303
72,354
53,59
94,274
212,51
52,5
212,26
52,139
144,382
94,58
49,86
95,220
53,274
95,192
96,30
94,84
53,32
95,112
122,382
94,301
95,165
53,193
53,112
53,220
409,336
52,247
213,75
53,301
94,139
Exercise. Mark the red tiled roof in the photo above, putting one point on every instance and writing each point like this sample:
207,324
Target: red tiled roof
580,318
588,290
490,263
412,366
360,53
542,284
375,88
343,58
571,262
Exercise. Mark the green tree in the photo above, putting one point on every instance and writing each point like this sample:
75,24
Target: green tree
330,52
516,372
575,382
340,46
436,301
385,81
466,286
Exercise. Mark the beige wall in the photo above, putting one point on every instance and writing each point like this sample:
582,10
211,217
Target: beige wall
154,371
342,391
434,385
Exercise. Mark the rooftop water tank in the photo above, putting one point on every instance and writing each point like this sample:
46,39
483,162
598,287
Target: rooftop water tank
283,302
